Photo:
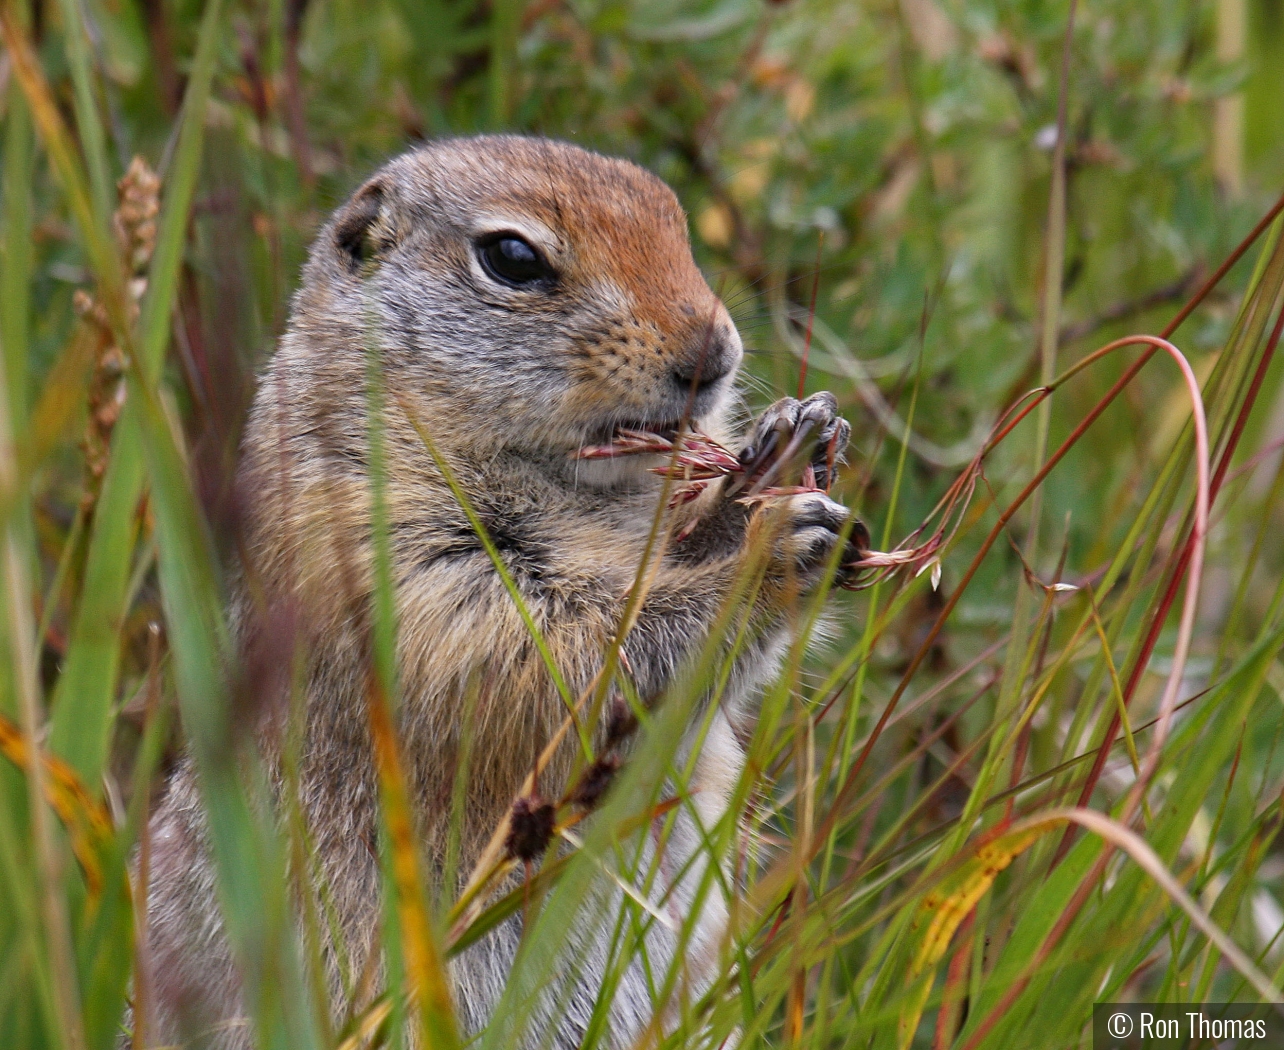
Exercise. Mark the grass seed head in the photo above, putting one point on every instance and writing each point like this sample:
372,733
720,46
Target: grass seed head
531,825
620,722
594,783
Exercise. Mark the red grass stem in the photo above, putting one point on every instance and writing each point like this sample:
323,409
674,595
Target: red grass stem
1174,582
849,785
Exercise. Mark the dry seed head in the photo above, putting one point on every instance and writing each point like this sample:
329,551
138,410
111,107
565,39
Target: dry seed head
134,224
530,828
701,460
620,721
89,308
594,782
135,218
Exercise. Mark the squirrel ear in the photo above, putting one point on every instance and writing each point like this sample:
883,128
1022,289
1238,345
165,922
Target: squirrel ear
364,228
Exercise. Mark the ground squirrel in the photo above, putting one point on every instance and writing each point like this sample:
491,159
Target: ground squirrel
526,298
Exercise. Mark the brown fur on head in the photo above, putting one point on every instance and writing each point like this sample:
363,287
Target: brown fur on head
621,330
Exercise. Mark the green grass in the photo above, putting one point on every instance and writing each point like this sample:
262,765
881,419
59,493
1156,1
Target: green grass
932,839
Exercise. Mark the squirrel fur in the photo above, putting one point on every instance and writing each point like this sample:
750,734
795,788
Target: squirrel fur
512,359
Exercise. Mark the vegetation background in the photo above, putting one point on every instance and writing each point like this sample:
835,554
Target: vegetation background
878,185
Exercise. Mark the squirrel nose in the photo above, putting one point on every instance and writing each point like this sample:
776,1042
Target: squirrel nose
712,358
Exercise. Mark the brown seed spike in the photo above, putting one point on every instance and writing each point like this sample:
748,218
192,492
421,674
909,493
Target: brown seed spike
530,828
620,721
594,783
135,219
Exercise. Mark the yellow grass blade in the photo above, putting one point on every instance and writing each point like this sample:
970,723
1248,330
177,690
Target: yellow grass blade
87,821
427,973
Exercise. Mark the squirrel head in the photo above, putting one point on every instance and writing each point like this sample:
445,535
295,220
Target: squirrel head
524,294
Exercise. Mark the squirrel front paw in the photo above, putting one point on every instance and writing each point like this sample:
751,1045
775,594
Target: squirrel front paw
804,530
791,435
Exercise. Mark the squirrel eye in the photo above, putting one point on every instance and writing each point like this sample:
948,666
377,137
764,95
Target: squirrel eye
510,260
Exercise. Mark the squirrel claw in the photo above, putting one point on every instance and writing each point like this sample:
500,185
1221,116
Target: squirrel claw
782,432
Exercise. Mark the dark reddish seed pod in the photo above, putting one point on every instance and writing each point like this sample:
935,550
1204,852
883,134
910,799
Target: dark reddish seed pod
530,828
620,722
594,783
